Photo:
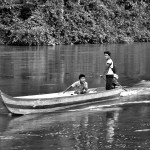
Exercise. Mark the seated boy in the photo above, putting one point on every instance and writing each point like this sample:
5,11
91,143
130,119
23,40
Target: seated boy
80,87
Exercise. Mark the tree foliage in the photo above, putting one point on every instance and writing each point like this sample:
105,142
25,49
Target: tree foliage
50,22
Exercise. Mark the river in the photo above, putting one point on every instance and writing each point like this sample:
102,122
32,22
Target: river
39,70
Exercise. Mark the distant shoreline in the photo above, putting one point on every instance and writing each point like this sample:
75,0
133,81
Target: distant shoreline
68,23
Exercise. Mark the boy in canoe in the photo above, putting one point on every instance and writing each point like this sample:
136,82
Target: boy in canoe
80,87
108,71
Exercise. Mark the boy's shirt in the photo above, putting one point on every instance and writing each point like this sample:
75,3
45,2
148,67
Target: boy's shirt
110,62
78,87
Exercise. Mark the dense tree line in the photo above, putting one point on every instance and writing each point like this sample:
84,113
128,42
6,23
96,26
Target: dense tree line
50,22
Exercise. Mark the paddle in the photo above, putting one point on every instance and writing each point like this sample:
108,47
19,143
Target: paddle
66,89
70,87
118,83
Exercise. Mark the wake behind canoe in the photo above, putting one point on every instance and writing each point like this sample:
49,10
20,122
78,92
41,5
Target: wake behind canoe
45,103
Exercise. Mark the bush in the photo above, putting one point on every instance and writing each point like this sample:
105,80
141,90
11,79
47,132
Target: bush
68,22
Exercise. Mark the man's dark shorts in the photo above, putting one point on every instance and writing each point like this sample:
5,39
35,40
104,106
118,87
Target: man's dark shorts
109,82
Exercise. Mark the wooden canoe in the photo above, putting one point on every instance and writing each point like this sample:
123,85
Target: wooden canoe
45,103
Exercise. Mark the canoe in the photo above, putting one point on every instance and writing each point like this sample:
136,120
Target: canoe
46,103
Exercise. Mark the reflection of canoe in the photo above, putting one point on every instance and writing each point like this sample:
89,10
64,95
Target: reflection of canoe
55,101
38,122
48,131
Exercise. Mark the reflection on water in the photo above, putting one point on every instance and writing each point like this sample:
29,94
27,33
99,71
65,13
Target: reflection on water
108,128
112,118
64,131
46,69
34,70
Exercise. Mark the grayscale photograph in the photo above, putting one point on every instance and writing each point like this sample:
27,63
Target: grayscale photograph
74,75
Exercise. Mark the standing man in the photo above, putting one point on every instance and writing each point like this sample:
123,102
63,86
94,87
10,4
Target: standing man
108,71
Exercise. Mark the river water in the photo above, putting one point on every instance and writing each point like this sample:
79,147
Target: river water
37,70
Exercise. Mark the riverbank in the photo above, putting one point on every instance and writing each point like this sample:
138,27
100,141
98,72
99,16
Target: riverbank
59,22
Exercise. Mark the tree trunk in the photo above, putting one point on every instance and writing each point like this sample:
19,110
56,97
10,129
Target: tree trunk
61,10
79,2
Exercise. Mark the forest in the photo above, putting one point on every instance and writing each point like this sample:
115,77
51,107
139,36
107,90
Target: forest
57,22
